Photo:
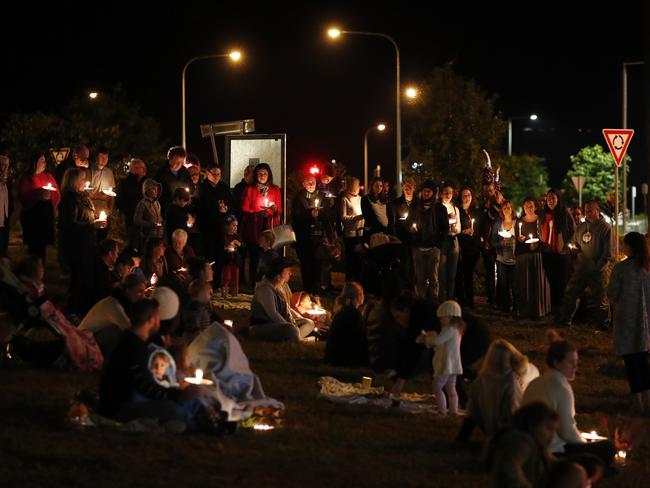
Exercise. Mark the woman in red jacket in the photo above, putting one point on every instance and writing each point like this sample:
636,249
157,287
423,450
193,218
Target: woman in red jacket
39,196
261,209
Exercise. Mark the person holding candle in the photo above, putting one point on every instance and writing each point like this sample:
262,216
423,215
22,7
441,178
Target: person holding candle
153,261
374,208
261,209
148,217
557,229
533,296
488,214
129,193
6,205
178,215
351,217
449,226
173,175
470,248
629,294
230,258
403,213
39,197
77,226
426,243
178,254
102,182
505,256
591,247
554,389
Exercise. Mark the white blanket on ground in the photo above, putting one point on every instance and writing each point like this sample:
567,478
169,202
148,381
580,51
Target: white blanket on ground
354,393
240,302
218,353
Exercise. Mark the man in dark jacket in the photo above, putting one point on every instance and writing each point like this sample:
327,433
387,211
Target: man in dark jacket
129,193
426,243
173,175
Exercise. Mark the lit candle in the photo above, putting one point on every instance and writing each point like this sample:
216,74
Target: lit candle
263,427
622,455
154,279
404,216
520,228
102,216
472,224
266,202
87,187
228,323
198,374
316,202
414,226
530,236
109,192
49,187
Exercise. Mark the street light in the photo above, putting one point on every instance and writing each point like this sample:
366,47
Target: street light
335,33
625,65
380,128
93,95
235,56
411,93
510,119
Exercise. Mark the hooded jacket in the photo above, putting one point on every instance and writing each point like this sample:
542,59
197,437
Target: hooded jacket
147,213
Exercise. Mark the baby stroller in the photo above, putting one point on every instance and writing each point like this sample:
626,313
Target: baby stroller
42,334
381,259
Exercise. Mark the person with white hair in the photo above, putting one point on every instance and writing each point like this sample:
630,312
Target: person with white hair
178,254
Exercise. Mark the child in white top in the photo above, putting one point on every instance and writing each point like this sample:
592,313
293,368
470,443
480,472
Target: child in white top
446,360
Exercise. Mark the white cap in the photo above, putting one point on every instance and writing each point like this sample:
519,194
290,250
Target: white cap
450,308
168,301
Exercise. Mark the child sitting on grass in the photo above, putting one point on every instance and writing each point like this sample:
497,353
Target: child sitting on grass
198,314
446,360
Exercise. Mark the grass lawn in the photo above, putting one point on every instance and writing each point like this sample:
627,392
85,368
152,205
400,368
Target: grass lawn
322,444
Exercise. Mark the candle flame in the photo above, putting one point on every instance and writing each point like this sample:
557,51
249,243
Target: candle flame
154,279
199,374
102,216
263,427
622,454
228,323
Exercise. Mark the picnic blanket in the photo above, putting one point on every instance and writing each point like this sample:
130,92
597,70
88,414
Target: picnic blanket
356,394
240,302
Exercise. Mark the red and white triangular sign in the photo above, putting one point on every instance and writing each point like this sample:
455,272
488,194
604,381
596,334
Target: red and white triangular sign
618,140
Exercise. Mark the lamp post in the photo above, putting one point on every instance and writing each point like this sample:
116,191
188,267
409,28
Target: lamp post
235,56
510,119
334,34
625,65
380,128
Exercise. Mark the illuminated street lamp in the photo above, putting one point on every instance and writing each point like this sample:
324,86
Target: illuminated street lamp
510,119
93,95
235,56
411,93
335,33
380,128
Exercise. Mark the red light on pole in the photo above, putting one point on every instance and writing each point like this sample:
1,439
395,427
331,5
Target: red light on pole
314,170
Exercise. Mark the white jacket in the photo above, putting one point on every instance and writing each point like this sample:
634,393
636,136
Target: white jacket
555,390
446,359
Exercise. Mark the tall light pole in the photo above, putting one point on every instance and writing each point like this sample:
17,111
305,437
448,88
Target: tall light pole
233,55
510,119
335,33
380,128
625,65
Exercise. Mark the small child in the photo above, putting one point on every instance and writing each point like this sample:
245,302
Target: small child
31,272
198,314
159,364
446,360
178,215
268,255
231,258
147,217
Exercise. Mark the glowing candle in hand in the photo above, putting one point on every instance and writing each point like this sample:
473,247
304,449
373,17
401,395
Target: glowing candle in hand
266,202
316,202
199,374
472,224
154,279
102,216
520,228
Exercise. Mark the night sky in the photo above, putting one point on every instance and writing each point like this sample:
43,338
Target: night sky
564,66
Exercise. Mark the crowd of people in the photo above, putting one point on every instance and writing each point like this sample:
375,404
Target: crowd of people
411,269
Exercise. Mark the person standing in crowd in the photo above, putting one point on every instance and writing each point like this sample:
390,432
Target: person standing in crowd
591,245
173,175
554,389
193,165
212,205
403,213
470,249
261,210
448,217
578,218
329,186
629,294
489,212
129,193
532,290
79,158
352,219
39,196
237,193
147,217
375,209
305,211
77,230
426,243
231,257
178,216
6,203
102,182
557,229
504,242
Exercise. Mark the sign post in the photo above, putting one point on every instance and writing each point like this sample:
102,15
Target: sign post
579,183
617,140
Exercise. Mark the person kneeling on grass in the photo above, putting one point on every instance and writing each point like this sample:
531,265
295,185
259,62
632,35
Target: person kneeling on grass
446,359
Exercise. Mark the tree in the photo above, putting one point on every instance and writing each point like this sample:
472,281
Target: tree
597,165
448,126
522,176
110,120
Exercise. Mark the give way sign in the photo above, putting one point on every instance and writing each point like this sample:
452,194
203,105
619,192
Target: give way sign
618,140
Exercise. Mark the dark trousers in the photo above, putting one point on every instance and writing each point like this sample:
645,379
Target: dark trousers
465,276
556,267
352,260
638,371
488,266
309,269
505,285
253,251
37,249
4,240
